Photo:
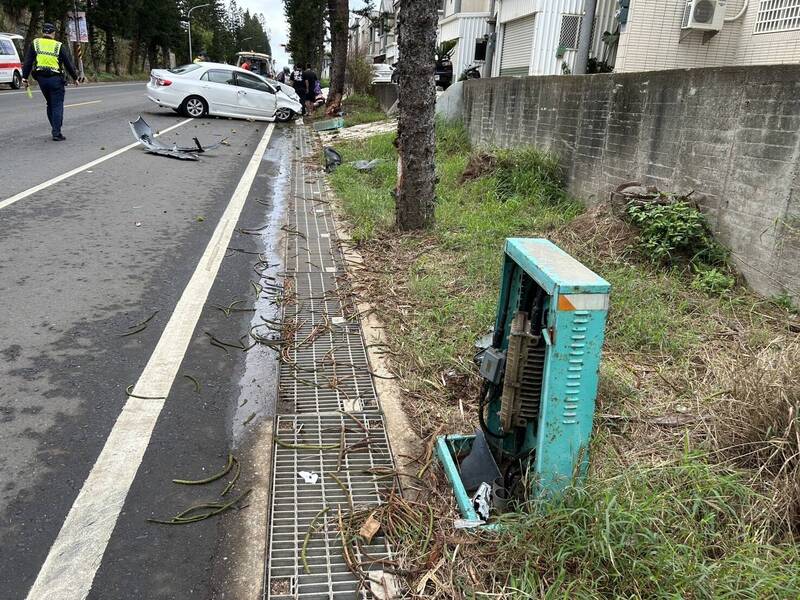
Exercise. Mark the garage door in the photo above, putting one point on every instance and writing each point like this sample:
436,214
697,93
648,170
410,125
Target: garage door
517,47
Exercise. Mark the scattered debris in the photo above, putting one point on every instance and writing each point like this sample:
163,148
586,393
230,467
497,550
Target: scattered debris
308,477
367,165
358,132
332,159
482,502
328,124
144,135
139,327
370,527
467,524
214,508
480,164
220,475
309,533
194,381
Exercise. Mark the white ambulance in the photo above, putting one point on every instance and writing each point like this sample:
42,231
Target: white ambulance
10,64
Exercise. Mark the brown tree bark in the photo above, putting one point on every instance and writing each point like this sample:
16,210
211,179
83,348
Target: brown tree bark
416,172
33,28
338,17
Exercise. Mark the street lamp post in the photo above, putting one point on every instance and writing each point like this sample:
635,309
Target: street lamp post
189,18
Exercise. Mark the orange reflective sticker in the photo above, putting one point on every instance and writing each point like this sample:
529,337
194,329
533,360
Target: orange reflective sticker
564,303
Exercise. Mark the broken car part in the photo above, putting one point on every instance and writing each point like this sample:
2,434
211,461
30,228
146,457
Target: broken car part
144,135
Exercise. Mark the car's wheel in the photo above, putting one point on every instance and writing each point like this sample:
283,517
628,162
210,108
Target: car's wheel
194,107
284,114
16,80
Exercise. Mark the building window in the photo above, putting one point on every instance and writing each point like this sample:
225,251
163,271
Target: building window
778,15
570,30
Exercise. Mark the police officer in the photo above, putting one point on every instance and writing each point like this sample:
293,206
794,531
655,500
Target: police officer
47,59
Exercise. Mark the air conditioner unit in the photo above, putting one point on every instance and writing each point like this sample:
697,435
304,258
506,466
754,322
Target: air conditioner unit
704,15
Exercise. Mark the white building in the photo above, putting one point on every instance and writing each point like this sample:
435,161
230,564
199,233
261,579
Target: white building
540,37
467,23
743,32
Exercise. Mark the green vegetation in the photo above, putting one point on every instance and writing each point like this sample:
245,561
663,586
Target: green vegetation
675,230
682,530
361,108
703,506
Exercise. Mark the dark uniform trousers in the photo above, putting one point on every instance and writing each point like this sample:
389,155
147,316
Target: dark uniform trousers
53,91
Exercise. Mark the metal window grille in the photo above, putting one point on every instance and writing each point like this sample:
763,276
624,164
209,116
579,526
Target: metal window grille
570,30
778,15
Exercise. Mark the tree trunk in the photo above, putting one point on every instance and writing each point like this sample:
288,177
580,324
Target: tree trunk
338,15
93,45
133,58
416,172
33,27
109,50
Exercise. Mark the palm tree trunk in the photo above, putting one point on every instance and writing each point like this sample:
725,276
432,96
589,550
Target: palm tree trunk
416,181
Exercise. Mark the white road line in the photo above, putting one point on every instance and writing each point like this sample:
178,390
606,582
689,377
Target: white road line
83,103
75,171
94,86
73,560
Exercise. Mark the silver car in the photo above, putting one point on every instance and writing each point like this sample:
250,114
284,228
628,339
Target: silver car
214,89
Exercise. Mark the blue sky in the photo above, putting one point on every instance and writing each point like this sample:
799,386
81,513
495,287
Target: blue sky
276,23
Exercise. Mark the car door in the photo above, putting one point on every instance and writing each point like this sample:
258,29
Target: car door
256,98
218,87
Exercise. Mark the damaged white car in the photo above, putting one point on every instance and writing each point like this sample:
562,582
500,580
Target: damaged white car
219,90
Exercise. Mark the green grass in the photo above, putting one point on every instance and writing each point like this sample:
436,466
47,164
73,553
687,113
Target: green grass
684,528
359,109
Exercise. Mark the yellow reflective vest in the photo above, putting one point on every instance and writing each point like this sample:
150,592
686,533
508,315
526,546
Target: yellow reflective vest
47,52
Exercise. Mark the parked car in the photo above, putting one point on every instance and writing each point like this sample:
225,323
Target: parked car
10,64
214,89
382,73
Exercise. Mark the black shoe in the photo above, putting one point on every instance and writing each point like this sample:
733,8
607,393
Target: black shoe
58,138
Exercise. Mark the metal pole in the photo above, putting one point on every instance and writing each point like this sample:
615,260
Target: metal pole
78,52
584,43
189,18
491,43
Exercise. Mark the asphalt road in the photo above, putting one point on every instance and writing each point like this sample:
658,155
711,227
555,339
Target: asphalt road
83,260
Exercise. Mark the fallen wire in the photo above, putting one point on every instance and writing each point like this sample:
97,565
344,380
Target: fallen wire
129,392
194,381
307,539
219,475
139,327
216,509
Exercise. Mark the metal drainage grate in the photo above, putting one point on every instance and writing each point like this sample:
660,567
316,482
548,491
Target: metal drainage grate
295,503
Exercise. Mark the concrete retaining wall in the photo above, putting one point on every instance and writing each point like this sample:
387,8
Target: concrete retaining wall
730,134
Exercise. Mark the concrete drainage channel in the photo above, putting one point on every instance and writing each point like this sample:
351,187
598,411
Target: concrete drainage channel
335,434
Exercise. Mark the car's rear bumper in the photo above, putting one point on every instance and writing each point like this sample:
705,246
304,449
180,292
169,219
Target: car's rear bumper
162,97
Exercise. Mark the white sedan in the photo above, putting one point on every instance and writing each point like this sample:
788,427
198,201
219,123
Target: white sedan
201,89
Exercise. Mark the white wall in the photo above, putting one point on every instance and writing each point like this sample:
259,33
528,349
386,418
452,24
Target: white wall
653,40
548,30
